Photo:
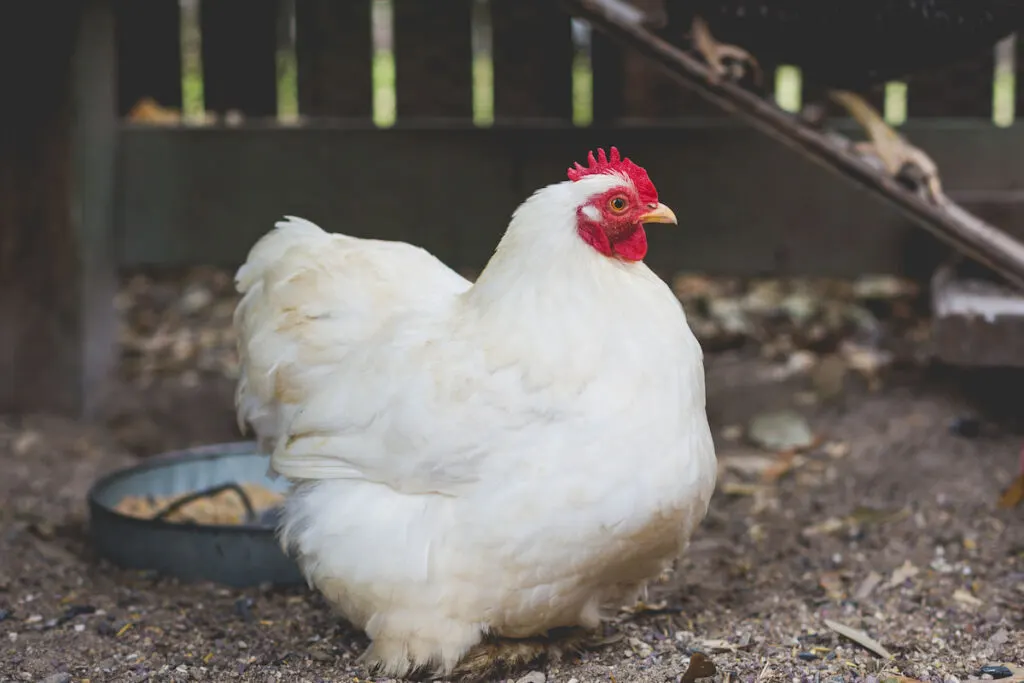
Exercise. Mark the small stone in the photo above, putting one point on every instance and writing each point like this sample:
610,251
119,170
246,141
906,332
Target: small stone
807,656
5,614
780,431
195,299
533,677
243,608
996,671
57,678
77,610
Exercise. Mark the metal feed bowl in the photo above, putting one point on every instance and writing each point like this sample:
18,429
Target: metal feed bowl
235,555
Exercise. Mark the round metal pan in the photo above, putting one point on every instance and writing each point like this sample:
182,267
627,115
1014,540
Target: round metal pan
234,555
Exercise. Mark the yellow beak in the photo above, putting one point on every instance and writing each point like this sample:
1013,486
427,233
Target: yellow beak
659,214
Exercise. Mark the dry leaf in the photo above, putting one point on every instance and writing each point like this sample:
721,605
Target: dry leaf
718,646
859,637
836,449
829,526
902,573
867,586
699,667
748,464
783,463
960,595
1013,496
735,488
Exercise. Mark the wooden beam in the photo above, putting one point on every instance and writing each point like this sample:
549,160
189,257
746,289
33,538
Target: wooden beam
56,199
746,203
239,45
966,233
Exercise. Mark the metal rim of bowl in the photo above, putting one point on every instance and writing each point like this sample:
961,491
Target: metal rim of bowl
170,458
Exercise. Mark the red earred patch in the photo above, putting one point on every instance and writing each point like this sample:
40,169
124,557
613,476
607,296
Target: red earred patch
614,164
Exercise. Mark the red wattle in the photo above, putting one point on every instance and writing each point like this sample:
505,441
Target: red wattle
631,246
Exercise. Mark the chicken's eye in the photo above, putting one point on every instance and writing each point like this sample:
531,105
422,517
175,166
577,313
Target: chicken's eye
618,204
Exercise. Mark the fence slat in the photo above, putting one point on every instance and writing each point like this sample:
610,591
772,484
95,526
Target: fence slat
433,58
148,52
963,90
533,54
334,50
240,55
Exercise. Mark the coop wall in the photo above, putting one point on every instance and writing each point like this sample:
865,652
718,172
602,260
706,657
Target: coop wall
430,122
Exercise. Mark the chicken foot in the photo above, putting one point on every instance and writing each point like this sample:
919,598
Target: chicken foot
504,655
716,53
889,146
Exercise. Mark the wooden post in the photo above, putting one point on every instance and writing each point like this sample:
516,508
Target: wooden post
57,277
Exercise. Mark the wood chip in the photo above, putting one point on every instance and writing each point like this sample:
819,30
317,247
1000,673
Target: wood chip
906,571
832,582
966,598
867,586
859,637
1013,496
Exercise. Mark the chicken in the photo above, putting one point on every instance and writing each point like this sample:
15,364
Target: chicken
474,463
846,45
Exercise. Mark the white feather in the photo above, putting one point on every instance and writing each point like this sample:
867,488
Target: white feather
505,457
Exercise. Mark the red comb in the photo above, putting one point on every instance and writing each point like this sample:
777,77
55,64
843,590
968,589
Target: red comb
613,163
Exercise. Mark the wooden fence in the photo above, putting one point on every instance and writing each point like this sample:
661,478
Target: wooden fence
448,170
432,132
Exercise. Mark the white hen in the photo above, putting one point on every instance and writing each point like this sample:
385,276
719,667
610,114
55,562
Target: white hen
499,458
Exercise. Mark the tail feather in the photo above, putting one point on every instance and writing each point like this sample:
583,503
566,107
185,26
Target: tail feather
309,298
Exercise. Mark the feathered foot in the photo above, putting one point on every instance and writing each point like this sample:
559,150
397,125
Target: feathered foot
889,146
501,656
716,54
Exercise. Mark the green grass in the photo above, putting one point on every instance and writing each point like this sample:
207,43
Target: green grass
582,90
1004,91
384,103
788,84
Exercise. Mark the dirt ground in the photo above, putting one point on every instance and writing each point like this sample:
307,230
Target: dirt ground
886,523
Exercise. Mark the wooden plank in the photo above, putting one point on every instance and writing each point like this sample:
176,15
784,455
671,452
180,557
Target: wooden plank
56,198
729,185
433,59
962,90
239,40
148,52
334,50
533,52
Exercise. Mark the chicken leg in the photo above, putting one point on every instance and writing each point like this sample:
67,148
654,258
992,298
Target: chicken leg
716,53
505,655
889,146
